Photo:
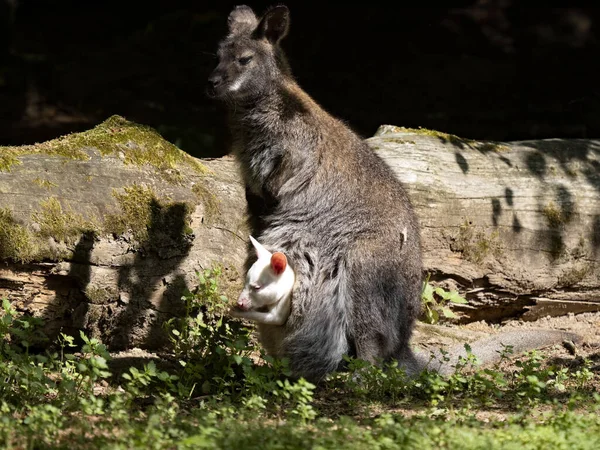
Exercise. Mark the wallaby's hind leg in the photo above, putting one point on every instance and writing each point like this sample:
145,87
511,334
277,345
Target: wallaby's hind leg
385,303
369,347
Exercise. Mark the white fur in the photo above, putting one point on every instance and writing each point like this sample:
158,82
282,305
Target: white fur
274,291
237,84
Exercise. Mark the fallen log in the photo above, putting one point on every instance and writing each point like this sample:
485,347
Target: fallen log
103,230
513,225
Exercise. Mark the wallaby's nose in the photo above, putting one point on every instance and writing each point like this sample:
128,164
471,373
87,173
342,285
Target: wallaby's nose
214,81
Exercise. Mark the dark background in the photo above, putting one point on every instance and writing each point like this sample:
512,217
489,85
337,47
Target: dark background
483,70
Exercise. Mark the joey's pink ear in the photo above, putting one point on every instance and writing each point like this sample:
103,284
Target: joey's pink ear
261,252
278,263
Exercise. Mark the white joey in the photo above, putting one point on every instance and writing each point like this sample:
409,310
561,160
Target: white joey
267,294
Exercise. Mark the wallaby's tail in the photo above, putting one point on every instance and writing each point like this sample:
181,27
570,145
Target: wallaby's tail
490,350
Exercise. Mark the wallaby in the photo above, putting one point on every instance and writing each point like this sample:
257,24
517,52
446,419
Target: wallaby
266,297
320,195
270,282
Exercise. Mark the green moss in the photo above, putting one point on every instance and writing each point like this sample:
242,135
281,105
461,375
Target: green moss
16,242
8,158
451,138
62,225
22,245
136,205
400,141
209,201
57,147
141,211
44,183
574,275
476,245
135,144
553,215
99,295
571,171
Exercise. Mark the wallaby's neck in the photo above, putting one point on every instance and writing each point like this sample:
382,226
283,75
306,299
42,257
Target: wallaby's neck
280,109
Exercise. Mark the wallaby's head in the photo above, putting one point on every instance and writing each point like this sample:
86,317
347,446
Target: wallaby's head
268,280
250,59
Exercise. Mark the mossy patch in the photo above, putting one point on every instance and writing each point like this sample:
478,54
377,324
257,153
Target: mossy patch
400,141
553,215
133,143
209,201
63,225
8,158
476,245
136,205
45,184
16,242
100,295
136,144
574,275
457,141
141,212
54,231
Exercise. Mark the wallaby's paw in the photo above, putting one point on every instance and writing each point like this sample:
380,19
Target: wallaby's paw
237,312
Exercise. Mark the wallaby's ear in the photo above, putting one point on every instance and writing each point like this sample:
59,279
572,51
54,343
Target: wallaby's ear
261,252
242,20
278,263
275,24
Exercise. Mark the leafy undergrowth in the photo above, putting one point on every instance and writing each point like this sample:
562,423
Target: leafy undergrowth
212,392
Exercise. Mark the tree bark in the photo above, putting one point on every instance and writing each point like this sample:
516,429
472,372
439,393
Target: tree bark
103,230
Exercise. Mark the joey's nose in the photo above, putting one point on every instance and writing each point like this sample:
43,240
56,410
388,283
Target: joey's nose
243,303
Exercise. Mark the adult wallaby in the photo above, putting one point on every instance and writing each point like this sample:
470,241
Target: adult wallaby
320,195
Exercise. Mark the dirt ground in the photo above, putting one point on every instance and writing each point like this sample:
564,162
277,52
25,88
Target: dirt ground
585,325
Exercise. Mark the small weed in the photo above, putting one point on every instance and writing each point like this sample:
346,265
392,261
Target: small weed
435,301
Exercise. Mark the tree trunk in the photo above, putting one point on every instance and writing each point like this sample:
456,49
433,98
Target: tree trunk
103,230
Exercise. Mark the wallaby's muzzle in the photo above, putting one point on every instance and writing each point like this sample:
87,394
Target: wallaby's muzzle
215,84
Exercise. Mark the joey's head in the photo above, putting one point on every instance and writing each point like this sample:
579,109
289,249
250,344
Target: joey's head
250,59
269,280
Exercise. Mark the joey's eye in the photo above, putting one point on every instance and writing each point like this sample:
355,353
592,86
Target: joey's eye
245,60
256,287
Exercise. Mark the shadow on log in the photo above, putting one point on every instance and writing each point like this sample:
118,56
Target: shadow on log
103,230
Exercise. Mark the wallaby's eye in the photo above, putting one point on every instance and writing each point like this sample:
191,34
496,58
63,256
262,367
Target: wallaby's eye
245,60
256,287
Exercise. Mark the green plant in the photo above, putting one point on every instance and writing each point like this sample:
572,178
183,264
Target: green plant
18,330
213,348
148,381
300,394
435,301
